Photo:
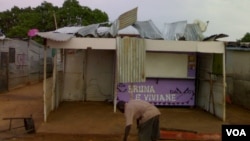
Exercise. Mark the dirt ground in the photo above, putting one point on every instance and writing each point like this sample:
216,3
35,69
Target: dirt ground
96,121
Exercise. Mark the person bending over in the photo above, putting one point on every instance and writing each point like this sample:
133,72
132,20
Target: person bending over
146,116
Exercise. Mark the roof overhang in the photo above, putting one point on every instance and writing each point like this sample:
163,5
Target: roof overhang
151,45
185,46
85,43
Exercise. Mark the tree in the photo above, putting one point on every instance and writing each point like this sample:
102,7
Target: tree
246,38
46,16
15,23
99,16
72,13
6,21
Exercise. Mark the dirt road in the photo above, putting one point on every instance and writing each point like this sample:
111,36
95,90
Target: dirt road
96,121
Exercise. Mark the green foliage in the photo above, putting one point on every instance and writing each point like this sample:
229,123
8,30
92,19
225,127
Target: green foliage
246,38
16,23
99,16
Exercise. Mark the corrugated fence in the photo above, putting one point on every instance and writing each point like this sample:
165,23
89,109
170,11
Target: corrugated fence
131,56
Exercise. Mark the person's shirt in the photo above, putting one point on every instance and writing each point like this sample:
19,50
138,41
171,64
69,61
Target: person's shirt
135,109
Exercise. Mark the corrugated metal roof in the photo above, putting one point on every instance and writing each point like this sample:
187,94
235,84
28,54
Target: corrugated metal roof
124,20
241,46
178,30
90,30
103,31
55,36
193,33
131,60
148,30
94,30
123,25
129,30
69,30
215,37
173,31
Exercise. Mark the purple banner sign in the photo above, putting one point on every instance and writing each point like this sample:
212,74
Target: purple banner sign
174,92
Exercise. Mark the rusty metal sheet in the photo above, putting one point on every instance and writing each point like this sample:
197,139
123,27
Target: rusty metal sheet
127,18
130,60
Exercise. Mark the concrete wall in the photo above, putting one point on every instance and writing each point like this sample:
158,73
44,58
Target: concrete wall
238,76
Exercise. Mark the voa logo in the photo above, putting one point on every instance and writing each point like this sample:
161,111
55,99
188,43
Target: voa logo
236,132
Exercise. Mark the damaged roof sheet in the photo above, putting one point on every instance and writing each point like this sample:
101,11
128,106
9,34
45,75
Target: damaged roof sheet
127,24
173,31
147,29
69,30
90,30
60,37
182,30
127,18
129,30
193,33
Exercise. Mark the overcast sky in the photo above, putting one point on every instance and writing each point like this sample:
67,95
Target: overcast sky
230,17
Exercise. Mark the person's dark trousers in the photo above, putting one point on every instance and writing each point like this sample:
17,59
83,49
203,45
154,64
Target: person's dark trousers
149,130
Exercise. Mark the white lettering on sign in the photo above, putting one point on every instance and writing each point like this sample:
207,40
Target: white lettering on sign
141,89
236,132
160,97
147,92
138,96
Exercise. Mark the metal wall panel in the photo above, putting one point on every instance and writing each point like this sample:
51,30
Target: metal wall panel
100,75
73,75
238,76
130,60
211,87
